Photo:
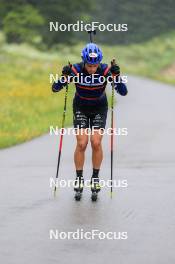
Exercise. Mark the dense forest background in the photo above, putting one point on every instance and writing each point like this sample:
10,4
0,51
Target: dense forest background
28,20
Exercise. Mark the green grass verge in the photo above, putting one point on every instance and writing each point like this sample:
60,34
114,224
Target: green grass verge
28,106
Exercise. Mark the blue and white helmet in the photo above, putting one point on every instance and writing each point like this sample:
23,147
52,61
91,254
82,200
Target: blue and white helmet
91,54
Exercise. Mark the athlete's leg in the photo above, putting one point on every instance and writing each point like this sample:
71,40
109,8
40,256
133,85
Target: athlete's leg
97,124
97,152
81,122
79,154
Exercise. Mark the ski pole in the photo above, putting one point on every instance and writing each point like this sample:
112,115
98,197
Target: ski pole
61,138
90,34
112,128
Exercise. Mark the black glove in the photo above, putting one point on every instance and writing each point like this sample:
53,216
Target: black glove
115,69
67,70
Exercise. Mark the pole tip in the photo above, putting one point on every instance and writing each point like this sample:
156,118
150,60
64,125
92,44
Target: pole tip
54,192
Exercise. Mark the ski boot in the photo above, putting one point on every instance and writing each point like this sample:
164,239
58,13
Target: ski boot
78,188
95,188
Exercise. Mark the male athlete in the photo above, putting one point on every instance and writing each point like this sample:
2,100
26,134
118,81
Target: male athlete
90,107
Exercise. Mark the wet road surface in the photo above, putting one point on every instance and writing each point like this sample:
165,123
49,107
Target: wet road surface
145,209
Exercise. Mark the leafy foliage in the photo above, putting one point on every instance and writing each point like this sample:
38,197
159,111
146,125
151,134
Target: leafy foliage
23,24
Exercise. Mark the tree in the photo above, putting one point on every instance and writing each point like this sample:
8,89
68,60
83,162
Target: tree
22,24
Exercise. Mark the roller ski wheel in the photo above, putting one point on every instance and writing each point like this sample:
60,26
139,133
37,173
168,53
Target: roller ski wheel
94,196
78,188
78,196
95,188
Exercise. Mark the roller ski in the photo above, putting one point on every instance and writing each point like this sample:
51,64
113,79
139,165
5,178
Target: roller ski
95,188
78,188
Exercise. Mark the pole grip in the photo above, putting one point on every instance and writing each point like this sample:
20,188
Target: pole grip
113,62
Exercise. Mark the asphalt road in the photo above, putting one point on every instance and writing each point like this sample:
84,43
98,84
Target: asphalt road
145,209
